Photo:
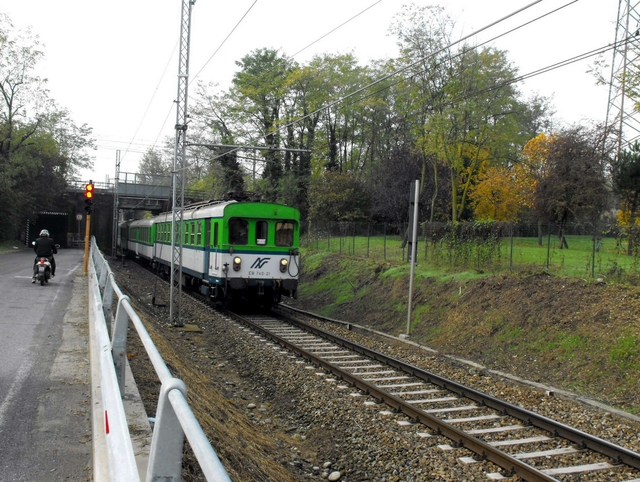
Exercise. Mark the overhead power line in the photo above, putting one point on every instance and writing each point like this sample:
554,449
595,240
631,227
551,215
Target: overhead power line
225,40
409,66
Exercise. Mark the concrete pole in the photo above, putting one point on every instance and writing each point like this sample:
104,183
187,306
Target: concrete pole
414,242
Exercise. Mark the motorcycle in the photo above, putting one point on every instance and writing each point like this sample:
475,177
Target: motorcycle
42,269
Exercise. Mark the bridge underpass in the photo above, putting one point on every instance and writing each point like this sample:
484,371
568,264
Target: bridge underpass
134,193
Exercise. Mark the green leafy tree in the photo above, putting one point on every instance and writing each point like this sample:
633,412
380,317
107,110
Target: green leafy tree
154,168
423,34
476,119
574,187
259,89
40,146
316,124
337,197
215,122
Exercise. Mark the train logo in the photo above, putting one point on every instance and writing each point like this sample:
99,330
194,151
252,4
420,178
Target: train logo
260,262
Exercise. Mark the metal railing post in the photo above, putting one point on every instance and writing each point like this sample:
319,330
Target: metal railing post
103,273
165,458
115,436
107,301
119,343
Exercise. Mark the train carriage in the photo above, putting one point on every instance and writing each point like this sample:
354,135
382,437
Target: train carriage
140,237
231,250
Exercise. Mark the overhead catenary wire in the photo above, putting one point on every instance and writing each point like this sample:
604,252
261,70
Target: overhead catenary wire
534,73
127,150
298,52
198,73
224,41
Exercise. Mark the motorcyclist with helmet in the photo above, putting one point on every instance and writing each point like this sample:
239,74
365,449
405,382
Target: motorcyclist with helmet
44,246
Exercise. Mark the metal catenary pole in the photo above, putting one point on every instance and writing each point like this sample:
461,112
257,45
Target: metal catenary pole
179,165
114,240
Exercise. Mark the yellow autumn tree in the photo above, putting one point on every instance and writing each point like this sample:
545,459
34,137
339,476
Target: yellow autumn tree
495,196
501,192
623,215
533,166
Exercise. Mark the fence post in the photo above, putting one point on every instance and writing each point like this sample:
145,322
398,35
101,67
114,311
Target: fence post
511,251
548,245
385,241
593,254
103,274
353,239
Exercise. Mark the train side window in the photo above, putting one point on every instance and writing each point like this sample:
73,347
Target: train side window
261,232
193,233
238,231
215,234
284,234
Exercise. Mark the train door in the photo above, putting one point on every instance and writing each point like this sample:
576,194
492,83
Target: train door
207,248
215,245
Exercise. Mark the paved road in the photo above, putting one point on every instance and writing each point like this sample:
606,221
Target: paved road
45,391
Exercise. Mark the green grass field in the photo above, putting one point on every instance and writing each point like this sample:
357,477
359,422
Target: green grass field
511,254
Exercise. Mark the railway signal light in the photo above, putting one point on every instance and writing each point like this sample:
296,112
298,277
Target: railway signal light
88,197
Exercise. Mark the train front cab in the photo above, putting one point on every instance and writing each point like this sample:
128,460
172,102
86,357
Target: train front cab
257,252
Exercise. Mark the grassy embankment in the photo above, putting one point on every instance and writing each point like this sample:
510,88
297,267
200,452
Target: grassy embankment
574,332
9,246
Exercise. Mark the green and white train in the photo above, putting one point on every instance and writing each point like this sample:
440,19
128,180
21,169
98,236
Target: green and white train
232,251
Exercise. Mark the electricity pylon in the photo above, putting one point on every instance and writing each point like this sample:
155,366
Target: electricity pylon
622,115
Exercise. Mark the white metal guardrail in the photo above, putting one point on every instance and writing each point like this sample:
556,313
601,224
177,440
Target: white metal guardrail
113,458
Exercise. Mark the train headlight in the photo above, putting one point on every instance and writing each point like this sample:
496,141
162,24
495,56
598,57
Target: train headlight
283,265
237,262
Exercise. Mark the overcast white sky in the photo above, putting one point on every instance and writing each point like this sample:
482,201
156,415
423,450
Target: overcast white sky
113,64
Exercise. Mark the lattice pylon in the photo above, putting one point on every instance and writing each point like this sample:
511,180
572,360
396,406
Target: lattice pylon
623,117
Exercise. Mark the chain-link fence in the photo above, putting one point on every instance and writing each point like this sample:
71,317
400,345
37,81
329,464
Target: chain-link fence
585,250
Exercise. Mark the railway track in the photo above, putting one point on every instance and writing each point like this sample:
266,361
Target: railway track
521,442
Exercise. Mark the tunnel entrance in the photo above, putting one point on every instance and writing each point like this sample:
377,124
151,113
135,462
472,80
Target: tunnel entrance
55,223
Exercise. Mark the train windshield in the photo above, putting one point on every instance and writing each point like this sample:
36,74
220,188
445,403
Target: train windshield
284,233
238,232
